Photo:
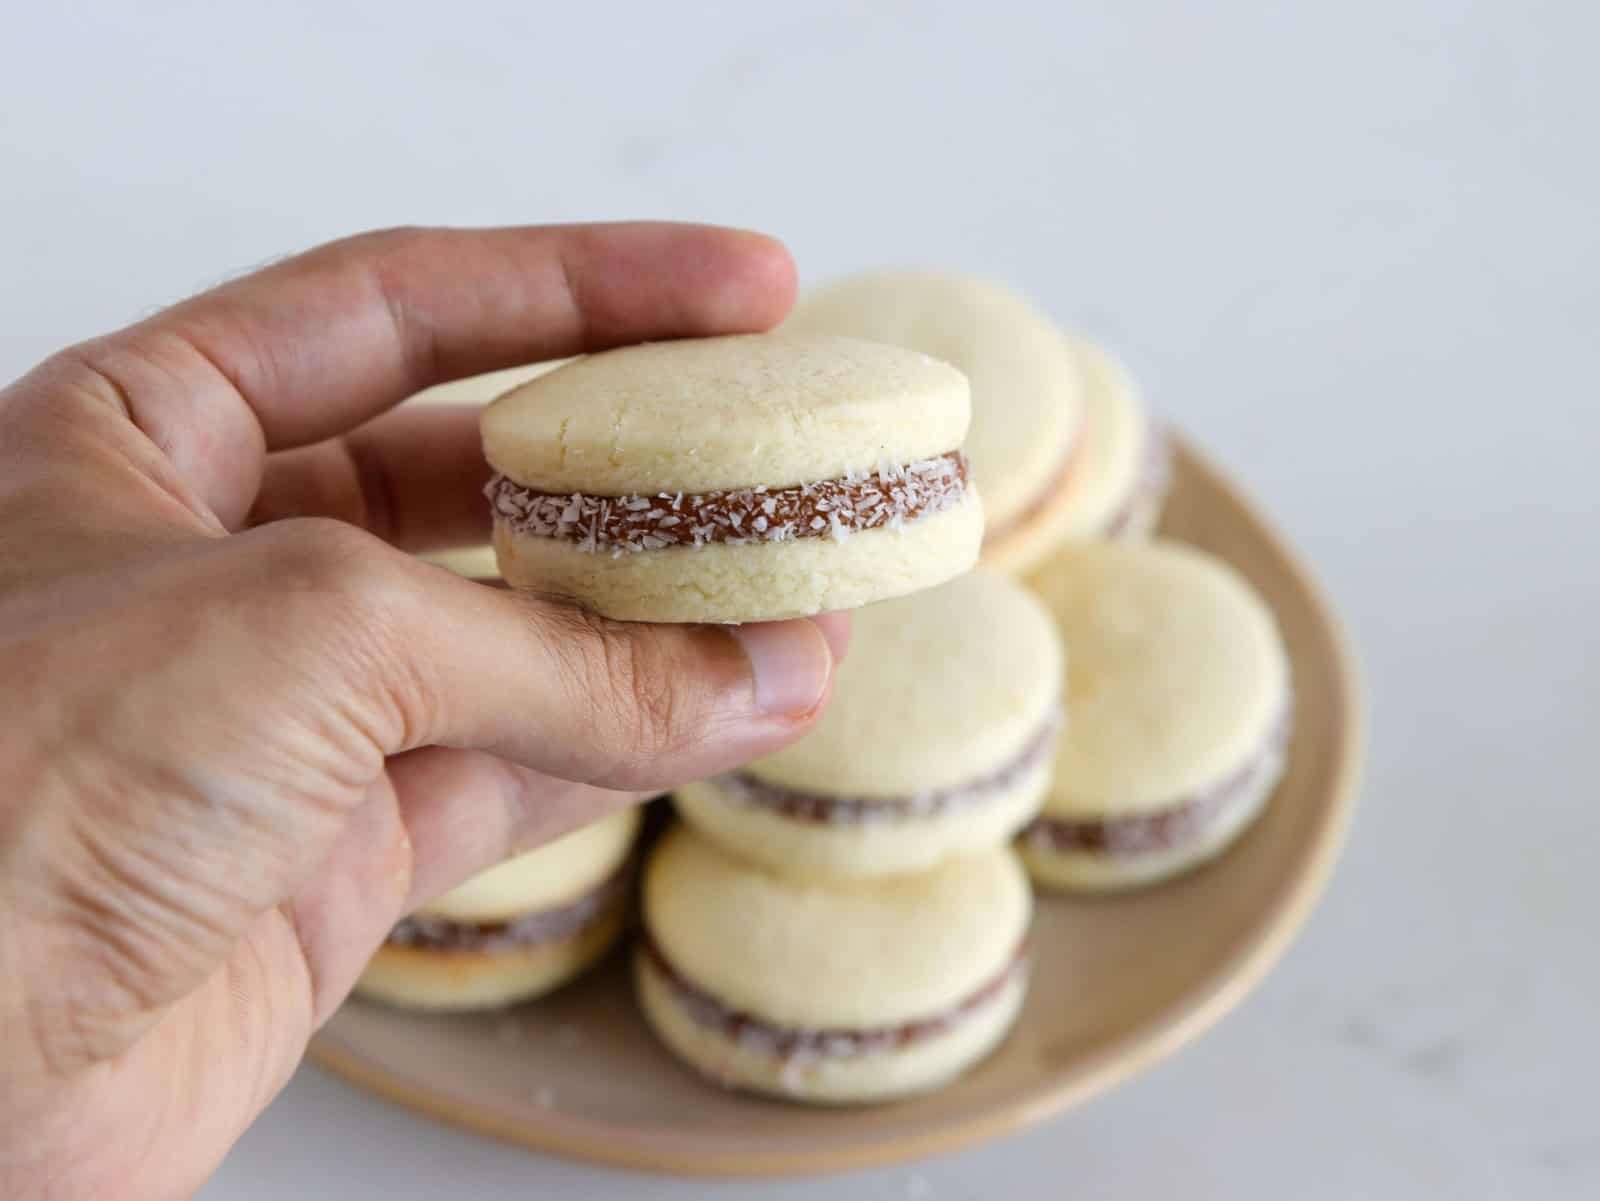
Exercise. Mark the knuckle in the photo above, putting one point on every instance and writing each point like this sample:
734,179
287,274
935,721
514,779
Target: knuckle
358,596
369,244
325,556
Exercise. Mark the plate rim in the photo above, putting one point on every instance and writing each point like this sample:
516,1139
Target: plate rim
1116,1061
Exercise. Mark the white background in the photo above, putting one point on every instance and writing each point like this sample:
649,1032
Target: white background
1351,247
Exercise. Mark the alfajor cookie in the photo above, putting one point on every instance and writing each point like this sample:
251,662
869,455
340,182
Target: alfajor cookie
1027,388
1180,698
938,740
829,993
1123,467
734,479
513,932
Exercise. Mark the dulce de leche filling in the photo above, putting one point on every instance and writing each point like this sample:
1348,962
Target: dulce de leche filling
1171,826
888,496
799,1042
825,808
529,929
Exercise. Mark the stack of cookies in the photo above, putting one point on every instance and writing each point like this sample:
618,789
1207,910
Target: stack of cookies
846,920
1179,685
856,926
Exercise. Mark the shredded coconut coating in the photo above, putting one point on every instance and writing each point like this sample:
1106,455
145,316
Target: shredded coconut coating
544,925
888,496
1171,826
791,1043
825,809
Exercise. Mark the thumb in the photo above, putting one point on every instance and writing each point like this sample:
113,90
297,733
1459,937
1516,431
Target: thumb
418,657
651,706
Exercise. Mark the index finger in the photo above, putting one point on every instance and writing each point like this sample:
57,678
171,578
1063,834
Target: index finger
317,344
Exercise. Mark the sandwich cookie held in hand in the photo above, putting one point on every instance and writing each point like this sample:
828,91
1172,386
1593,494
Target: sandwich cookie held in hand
732,479
938,741
514,932
836,992
1180,698
1027,388
1118,483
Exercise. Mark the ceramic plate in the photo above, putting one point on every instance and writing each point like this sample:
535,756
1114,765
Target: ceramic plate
1118,983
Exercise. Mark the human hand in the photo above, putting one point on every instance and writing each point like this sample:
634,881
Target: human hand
242,731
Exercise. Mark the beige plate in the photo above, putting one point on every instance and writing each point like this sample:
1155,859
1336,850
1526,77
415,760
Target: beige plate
578,1074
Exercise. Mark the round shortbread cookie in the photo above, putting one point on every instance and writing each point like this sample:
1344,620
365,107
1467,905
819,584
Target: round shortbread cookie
937,741
891,949
1179,694
850,990
515,931
734,479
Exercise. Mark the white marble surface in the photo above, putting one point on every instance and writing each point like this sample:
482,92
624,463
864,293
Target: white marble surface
1352,247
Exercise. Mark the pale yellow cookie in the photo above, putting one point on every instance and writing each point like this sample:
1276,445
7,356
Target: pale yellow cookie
937,741
515,931
734,479
1180,700
845,991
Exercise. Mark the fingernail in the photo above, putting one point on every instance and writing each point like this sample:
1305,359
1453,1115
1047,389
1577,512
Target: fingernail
791,663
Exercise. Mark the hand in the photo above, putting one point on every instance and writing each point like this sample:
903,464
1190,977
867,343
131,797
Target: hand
242,731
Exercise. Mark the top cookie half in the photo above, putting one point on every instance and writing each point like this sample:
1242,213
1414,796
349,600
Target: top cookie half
717,413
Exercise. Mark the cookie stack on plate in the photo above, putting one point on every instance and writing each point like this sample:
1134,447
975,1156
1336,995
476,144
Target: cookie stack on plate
846,920
843,920
723,480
